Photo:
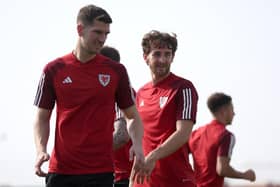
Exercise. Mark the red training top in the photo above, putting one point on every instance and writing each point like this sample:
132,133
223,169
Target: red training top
160,106
206,144
85,96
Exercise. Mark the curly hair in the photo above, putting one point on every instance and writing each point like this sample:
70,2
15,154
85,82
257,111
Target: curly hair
159,39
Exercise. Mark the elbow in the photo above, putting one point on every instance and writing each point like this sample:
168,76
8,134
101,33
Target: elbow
221,170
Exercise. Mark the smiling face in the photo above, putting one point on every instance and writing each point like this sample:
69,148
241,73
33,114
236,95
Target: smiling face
158,51
159,61
93,37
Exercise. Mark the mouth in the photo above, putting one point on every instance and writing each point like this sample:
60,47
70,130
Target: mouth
160,69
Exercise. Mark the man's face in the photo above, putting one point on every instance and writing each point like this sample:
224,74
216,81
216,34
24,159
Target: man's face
159,61
229,111
94,36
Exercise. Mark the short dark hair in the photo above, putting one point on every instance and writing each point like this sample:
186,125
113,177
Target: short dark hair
218,100
159,39
89,13
111,53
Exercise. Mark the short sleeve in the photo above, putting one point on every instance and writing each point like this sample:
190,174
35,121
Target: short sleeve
227,143
45,95
187,99
125,96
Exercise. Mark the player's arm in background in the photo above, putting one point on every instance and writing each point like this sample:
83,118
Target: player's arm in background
120,134
223,167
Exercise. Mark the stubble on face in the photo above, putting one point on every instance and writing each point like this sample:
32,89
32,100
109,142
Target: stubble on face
95,36
159,63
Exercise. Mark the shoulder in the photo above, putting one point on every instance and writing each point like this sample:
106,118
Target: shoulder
218,127
184,86
199,130
182,82
195,136
116,66
226,134
58,63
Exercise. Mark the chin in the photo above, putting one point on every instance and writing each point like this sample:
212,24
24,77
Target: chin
94,52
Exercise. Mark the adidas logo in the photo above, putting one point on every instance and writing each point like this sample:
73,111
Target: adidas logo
67,80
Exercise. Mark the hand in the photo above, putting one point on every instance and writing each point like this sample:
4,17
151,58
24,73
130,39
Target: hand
137,172
250,175
41,158
130,182
150,163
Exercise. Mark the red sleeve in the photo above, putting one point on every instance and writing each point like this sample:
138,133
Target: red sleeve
119,114
45,96
226,145
124,96
187,98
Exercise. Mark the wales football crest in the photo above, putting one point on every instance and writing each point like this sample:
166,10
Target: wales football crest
104,79
162,101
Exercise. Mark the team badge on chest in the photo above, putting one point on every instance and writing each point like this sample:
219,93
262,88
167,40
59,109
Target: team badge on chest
162,101
104,79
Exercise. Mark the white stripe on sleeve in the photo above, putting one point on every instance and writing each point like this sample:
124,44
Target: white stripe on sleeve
187,105
40,90
231,145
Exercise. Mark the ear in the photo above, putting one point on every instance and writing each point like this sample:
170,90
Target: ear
145,56
80,29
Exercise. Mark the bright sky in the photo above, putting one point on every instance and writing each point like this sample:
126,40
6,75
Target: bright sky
229,46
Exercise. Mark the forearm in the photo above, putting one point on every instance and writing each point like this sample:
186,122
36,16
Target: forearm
230,172
135,131
226,170
174,141
169,146
41,136
120,135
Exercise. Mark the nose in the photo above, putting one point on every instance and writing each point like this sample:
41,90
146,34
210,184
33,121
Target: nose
162,59
102,37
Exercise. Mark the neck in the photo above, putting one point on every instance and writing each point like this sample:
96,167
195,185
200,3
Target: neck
83,55
156,79
220,120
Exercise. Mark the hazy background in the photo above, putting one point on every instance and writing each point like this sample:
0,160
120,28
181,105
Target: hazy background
229,46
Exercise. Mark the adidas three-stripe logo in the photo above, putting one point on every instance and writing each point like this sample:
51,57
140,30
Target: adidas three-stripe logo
67,80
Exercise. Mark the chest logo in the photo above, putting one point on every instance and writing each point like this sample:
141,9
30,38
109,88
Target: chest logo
162,101
104,79
141,103
67,80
